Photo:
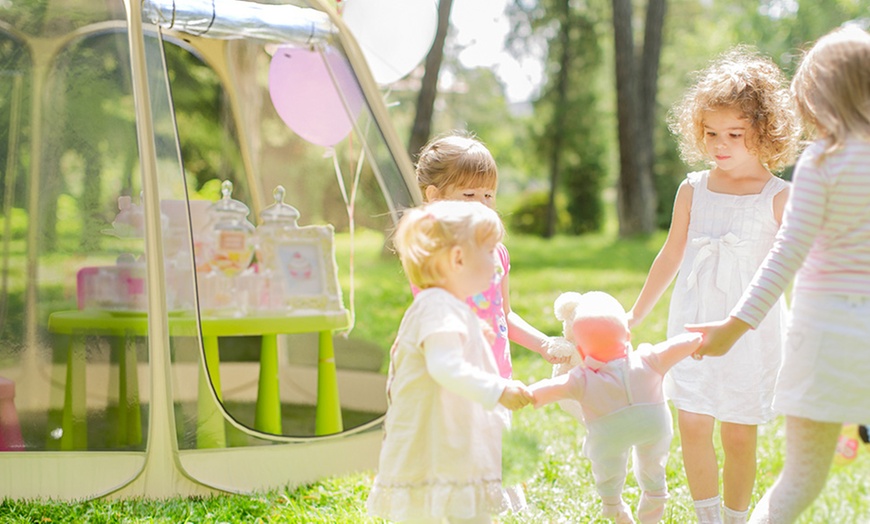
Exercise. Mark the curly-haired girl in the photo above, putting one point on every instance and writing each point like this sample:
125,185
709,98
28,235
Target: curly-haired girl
739,116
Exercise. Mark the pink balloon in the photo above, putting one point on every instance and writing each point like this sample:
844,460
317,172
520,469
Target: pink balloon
306,97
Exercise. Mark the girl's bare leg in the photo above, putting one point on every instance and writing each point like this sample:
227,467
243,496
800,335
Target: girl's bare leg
701,464
699,456
739,442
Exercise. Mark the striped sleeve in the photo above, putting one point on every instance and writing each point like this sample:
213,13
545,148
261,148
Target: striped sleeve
802,221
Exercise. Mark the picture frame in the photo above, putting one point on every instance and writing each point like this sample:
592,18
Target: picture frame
307,269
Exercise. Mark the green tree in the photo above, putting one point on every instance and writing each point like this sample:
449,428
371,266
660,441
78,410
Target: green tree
567,122
208,143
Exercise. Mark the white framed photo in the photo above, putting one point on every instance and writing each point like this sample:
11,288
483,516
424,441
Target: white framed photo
306,260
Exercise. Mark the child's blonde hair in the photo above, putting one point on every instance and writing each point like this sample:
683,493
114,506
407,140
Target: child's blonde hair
427,234
456,160
745,81
832,86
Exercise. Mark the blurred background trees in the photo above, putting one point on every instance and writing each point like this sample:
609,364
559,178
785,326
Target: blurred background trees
591,137
595,133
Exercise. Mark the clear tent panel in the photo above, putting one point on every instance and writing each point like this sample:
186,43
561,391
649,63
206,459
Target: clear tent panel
330,178
62,188
156,298
67,99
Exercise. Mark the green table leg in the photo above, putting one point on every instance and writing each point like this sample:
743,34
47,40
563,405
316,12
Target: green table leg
268,415
210,432
129,411
119,347
328,415
74,423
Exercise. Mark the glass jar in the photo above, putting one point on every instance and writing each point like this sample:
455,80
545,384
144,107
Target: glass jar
277,225
228,248
231,242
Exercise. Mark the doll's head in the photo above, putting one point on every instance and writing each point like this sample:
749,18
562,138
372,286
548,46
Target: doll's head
596,323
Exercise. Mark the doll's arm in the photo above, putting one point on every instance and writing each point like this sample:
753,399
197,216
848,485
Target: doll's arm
664,355
564,387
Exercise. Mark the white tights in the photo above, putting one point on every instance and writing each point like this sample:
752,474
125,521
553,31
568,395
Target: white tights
809,450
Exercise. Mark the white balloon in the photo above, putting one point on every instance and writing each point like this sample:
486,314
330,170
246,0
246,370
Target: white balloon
394,35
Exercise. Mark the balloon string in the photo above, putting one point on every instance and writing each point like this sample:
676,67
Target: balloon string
350,215
349,202
349,206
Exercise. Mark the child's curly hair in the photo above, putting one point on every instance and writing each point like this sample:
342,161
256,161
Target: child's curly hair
744,80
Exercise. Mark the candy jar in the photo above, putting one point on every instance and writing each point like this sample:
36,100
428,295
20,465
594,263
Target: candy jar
230,250
277,224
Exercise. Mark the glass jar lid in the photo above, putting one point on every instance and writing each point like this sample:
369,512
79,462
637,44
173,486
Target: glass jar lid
227,204
279,212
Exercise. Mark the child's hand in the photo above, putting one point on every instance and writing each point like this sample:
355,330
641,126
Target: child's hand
515,396
718,336
631,320
555,360
560,351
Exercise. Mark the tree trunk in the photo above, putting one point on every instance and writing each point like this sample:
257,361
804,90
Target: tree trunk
559,116
429,85
649,74
627,119
635,95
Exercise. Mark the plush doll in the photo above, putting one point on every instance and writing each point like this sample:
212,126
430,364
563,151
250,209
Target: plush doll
619,392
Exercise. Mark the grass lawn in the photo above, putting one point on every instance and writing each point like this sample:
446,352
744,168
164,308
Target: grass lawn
542,451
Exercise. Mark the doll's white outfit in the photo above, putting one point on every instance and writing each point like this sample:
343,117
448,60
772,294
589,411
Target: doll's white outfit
624,409
441,455
728,238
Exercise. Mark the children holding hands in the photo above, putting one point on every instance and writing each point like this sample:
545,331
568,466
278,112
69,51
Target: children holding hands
449,389
441,455
620,392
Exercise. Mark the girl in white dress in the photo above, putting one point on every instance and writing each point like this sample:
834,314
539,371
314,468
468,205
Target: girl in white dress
441,455
824,247
739,117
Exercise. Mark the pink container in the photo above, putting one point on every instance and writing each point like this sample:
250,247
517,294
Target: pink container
10,429
116,288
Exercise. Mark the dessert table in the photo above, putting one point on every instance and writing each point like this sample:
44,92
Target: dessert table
123,327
